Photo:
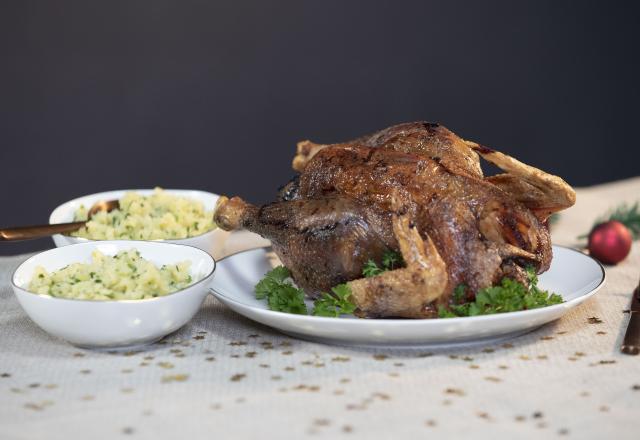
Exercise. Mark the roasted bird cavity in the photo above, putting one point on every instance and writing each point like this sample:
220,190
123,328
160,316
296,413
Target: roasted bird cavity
415,188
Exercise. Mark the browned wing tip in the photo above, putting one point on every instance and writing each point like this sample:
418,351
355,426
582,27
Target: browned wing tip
481,149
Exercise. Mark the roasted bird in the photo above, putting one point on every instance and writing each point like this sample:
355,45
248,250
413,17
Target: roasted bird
415,188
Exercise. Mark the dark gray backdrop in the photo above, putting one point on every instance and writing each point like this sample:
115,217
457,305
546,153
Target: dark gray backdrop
214,95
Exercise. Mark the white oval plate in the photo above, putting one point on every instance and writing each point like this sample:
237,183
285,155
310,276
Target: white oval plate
572,274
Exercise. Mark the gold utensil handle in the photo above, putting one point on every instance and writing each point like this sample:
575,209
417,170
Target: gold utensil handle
31,232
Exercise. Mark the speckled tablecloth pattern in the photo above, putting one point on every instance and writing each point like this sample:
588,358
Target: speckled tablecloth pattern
225,377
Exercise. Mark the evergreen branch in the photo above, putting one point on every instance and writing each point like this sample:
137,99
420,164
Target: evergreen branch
628,215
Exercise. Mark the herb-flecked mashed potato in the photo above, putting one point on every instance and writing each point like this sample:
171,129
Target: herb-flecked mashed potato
124,276
154,217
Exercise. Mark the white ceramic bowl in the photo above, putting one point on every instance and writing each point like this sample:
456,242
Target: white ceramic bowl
212,241
117,323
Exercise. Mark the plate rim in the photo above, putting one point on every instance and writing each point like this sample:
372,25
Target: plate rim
389,322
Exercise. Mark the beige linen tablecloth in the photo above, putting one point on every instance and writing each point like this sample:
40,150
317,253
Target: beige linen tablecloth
224,377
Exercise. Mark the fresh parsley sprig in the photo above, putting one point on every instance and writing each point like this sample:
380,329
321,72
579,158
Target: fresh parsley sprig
371,269
508,296
336,303
390,261
281,295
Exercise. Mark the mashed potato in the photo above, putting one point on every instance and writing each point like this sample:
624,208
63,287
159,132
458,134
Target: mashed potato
154,217
124,276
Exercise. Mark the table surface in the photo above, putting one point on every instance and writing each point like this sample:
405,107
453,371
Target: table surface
223,375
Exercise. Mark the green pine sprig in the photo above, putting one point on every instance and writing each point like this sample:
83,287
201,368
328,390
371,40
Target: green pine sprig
628,215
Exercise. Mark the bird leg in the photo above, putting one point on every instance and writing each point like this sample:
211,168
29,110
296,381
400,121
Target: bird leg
323,242
230,214
407,292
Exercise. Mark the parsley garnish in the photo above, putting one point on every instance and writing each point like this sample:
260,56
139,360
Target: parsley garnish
459,293
390,261
336,303
281,295
508,296
371,269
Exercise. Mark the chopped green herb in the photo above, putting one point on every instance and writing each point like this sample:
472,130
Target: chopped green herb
271,280
281,295
336,303
459,293
288,299
371,269
443,312
508,296
390,260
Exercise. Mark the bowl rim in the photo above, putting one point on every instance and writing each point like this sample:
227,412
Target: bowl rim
170,240
90,243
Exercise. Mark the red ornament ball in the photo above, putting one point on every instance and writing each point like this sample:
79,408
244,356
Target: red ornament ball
610,242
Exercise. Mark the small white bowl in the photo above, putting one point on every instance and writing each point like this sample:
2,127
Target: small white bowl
212,241
114,323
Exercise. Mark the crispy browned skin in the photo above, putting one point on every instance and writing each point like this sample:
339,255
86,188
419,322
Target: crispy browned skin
416,188
474,224
423,138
